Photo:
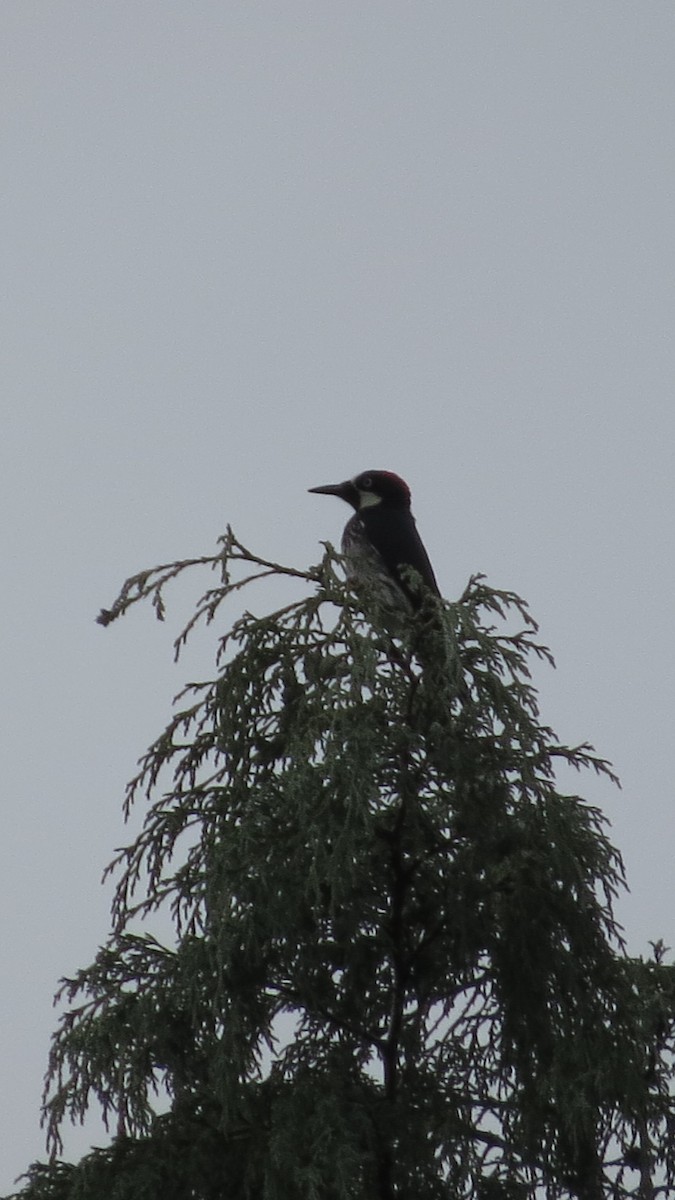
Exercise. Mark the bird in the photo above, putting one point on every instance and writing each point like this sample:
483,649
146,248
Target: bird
380,540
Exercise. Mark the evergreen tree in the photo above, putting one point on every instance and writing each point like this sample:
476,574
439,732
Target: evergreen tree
396,973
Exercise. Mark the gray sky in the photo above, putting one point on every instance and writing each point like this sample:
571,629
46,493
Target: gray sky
251,247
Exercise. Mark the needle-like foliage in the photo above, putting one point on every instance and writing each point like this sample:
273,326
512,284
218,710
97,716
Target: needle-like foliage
395,970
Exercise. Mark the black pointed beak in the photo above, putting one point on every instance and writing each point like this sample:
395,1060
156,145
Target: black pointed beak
333,489
346,491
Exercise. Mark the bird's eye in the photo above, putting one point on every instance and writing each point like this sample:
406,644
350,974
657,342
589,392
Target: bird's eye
366,481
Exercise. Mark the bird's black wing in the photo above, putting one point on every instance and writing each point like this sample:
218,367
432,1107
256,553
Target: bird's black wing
395,538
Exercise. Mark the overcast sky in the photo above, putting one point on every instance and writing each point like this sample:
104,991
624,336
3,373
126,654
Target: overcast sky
248,247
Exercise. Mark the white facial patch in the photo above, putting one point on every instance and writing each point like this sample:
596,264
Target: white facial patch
368,499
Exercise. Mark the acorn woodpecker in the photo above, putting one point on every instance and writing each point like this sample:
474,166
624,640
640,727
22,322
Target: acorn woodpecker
382,537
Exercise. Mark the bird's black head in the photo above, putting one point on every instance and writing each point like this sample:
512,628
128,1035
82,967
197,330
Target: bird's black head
368,489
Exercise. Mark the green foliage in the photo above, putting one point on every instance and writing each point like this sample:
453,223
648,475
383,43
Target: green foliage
396,970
